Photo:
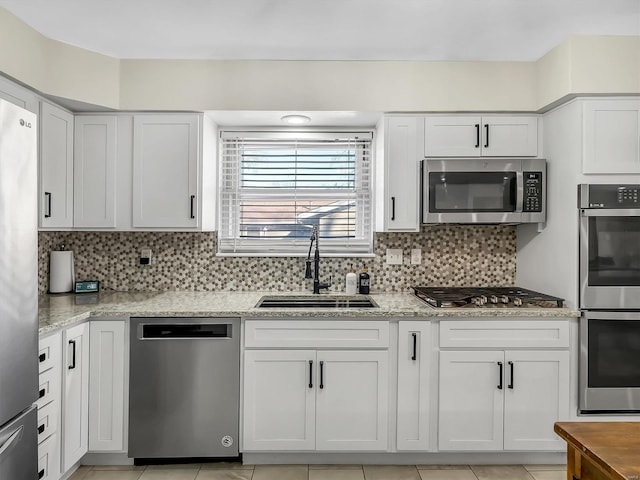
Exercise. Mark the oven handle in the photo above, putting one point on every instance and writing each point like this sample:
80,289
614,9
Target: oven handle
610,315
609,212
519,191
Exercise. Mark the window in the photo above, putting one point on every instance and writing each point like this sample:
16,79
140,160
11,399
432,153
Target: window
276,186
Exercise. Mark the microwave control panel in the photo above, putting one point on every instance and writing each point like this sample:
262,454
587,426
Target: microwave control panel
532,198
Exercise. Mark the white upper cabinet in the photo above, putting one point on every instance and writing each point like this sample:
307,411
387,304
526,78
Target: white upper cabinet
56,167
402,155
94,169
475,136
165,171
611,136
18,95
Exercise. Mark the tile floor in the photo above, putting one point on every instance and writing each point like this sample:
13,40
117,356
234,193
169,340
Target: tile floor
236,471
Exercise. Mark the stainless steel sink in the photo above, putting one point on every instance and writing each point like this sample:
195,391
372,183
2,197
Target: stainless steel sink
316,301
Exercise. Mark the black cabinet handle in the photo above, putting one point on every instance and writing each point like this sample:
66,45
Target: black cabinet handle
193,197
393,208
73,355
477,135
42,357
310,373
47,195
486,138
40,429
511,376
321,375
415,346
42,393
500,384
41,474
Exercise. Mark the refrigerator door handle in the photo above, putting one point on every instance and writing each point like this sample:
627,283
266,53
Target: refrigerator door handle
12,440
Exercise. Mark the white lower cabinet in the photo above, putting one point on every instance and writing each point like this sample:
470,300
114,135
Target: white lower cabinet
75,397
315,399
414,350
107,385
279,400
502,400
49,380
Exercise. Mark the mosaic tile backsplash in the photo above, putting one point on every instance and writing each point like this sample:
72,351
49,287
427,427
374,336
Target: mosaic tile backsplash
451,256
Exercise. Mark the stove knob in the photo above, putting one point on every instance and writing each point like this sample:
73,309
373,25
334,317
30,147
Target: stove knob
504,299
484,299
493,299
517,302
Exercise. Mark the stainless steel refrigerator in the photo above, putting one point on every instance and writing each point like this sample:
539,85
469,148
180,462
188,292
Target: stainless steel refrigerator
18,294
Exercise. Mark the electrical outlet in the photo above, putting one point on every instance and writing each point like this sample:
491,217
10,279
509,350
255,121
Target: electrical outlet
145,256
394,256
416,256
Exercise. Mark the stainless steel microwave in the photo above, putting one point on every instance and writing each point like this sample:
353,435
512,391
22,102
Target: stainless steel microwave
484,190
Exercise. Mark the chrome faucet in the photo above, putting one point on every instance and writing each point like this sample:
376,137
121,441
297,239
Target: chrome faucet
317,286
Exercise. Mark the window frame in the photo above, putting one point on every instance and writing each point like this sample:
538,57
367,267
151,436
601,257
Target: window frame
231,244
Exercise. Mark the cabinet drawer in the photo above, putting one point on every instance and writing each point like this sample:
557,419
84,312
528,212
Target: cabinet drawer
507,333
48,352
316,333
47,387
47,459
47,421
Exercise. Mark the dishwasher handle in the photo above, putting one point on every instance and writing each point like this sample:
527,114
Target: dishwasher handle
184,331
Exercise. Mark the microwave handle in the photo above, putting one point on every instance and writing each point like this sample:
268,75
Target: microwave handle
519,191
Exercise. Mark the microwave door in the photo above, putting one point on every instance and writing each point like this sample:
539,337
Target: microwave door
472,197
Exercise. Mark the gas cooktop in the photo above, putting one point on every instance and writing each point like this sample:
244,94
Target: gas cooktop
486,297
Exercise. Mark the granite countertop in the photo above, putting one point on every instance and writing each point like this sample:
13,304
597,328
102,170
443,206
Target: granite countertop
57,311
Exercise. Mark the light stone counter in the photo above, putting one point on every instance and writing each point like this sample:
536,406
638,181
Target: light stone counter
57,311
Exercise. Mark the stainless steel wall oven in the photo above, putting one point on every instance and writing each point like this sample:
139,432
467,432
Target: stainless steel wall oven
609,275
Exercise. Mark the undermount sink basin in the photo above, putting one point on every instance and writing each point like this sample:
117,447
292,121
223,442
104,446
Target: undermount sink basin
284,301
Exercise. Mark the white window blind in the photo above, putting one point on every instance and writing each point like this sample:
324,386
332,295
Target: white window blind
275,186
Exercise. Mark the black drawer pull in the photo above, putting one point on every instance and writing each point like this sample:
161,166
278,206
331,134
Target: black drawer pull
500,384
42,357
41,474
477,135
42,393
511,380
40,429
486,142
48,197
310,373
393,208
321,375
193,197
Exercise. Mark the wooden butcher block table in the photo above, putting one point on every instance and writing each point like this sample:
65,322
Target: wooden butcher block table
601,450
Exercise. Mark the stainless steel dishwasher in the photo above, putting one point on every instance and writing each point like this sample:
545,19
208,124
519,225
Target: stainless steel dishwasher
184,387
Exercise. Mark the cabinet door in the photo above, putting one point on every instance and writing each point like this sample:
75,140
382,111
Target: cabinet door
536,396
352,398
106,386
611,131
94,172
75,400
17,95
414,342
56,167
452,136
504,136
402,161
165,171
279,400
470,412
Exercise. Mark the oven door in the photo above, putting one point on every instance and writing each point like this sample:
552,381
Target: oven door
609,366
472,191
609,259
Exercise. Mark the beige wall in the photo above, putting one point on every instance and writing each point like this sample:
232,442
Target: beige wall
323,85
579,65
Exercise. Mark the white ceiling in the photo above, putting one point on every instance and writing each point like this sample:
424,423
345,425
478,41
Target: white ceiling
517,30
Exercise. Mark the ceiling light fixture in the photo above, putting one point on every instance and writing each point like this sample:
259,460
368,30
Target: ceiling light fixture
296,119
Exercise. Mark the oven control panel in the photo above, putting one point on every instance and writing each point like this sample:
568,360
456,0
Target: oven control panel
532,198
609,196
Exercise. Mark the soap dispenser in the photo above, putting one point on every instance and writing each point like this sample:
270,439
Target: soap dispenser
363,281
351,281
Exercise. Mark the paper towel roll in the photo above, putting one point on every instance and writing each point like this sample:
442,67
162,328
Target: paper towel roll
61,271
